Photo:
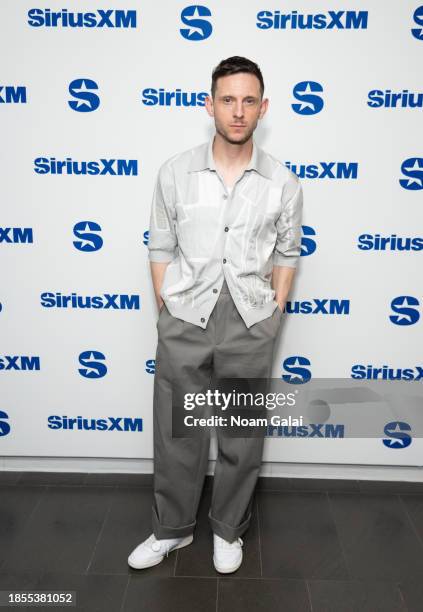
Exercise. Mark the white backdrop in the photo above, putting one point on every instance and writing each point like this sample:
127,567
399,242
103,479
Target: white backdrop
84,94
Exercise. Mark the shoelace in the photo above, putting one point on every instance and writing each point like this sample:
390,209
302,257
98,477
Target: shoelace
154,545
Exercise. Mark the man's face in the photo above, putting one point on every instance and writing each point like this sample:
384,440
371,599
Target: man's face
237,106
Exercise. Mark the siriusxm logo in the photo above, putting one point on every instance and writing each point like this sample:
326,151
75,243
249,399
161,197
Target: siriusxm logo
340,20
329,306
105,301
13,235
397,436
161,97
112,18
145,237
319,430
89,240
198,28
404,306
376,242
19,362
4,424
310,103
323,170
150,366
371,372
11,94
418,19
105,424
390,99
86,101
115,167
308,245
412,168
297,374
93,364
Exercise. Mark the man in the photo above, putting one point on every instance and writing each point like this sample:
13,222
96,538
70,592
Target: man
224,241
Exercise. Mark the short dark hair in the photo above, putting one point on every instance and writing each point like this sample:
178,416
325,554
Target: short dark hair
233,65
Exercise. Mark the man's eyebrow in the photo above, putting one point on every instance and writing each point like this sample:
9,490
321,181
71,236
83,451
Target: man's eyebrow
231,96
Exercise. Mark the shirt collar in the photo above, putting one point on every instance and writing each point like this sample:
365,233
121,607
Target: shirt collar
202,158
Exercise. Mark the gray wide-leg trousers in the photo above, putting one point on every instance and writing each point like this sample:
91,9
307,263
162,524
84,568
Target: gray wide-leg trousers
192,355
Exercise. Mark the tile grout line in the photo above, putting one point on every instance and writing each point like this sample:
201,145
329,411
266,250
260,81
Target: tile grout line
341,546
259,537
124,594
410,521
100,531
309,595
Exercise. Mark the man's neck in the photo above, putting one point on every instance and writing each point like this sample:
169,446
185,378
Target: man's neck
231,156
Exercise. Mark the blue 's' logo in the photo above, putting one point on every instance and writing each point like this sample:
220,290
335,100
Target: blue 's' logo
297,374
4,425
93,368
396,435
89,240
310,103
198,29
418,19
150,366
403,305
308,245
86,100
413,168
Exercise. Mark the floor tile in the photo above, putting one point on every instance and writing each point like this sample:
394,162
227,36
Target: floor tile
376,537
247,595
171,595
62,531
355,596
298,536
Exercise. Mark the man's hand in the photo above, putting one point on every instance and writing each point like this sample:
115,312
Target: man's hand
282,277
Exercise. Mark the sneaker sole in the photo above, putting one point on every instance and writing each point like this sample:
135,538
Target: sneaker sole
227,570
157,561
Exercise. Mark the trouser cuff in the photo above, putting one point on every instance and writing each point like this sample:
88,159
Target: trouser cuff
228,532
162,532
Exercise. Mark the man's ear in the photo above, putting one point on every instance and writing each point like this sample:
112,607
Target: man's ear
208,103
264,107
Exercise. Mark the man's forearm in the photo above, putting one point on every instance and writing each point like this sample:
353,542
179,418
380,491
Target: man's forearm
158,270
282,277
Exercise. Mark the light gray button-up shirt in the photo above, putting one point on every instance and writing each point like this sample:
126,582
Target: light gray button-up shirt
208,234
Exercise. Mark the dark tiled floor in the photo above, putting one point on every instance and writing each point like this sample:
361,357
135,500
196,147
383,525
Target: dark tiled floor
313,545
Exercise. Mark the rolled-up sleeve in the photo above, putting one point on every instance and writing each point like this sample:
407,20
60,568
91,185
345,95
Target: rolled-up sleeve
288,242
162,239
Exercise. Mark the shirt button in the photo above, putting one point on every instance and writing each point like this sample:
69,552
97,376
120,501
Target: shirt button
224,261
202,319
214,290
225,197
226,229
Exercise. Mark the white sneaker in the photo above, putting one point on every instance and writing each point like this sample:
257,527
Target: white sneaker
227,555
153,551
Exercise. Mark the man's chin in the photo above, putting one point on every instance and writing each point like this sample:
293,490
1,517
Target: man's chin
237,139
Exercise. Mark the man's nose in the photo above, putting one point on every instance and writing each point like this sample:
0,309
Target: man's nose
238,110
